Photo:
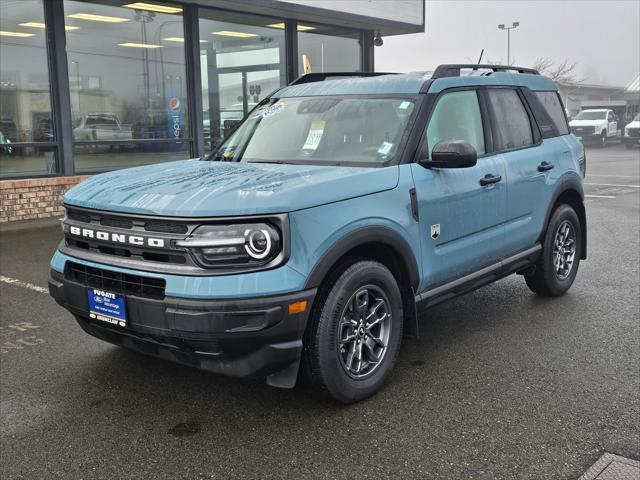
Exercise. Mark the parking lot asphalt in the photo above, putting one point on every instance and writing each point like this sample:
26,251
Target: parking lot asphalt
500,385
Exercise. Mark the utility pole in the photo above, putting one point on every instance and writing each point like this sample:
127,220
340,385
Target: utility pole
502,26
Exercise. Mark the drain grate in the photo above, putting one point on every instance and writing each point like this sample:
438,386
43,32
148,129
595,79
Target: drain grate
613,467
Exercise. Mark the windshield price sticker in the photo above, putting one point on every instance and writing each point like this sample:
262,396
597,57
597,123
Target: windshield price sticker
273,109
385,148
404,105
315,135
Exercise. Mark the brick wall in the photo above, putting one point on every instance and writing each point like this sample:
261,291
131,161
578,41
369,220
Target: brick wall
34,198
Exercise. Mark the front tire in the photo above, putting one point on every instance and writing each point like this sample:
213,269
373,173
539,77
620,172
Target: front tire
603,139
355,332
557,267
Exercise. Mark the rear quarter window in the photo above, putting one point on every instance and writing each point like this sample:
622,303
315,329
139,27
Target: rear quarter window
553,107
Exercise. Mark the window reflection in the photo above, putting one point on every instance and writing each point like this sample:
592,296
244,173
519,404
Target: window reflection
328,49
128,86
25,102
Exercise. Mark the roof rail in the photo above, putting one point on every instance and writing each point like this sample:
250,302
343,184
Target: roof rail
453,70
322,76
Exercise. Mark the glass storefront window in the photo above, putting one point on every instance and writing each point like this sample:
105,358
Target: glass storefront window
25,102
128,84
242,61
328,49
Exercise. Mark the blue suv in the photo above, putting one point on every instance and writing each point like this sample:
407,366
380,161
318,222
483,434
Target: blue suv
337,211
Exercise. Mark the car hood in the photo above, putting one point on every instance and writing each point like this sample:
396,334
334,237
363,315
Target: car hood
634,124
196,188
586,123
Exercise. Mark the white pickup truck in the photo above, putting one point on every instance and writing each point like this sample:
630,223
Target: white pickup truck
595,125
98,127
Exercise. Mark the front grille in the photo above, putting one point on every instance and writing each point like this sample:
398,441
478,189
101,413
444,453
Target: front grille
165,227
116,282
583,130
634,132
116,222
124,226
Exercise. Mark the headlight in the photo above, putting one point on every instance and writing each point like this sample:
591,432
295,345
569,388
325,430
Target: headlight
626,131
234,246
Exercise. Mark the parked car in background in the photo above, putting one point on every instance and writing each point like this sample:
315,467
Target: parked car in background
597,125
99,127
632,133
5,144
334,214
9,129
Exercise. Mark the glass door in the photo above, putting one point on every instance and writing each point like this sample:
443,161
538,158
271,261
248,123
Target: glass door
242,61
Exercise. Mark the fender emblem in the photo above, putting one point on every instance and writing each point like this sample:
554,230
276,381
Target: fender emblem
435,231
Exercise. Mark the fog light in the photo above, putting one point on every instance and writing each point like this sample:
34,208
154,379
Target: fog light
297,307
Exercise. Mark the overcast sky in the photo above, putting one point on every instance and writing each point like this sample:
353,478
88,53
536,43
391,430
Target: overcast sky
602,36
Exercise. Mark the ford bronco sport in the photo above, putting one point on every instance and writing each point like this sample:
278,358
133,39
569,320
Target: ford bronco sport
338,210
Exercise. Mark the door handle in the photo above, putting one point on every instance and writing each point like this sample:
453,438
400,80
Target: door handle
488,179
544,166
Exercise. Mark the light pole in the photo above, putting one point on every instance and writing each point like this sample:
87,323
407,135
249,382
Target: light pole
502,26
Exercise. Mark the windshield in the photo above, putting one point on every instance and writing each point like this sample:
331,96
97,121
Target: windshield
591,115
636,118
335,130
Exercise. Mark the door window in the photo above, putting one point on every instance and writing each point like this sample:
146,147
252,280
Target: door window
513,128
457,117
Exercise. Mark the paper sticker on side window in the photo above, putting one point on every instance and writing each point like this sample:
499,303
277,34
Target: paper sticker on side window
315,135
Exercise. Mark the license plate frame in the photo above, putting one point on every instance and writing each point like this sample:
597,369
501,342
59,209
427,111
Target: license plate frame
107,307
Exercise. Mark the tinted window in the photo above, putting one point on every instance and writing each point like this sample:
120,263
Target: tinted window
513,129
551,103
457,117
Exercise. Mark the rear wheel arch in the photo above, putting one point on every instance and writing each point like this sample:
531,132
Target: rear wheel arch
571,194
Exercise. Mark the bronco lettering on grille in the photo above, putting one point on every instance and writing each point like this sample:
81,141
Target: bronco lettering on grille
117,237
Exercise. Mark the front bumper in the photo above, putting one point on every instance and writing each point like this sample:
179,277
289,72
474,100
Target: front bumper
254,337
631,140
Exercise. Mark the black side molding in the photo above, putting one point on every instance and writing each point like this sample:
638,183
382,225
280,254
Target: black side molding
477,279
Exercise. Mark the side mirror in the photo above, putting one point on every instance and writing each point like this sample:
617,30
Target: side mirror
451,154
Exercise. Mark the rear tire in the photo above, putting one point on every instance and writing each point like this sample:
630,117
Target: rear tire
557,267
354,334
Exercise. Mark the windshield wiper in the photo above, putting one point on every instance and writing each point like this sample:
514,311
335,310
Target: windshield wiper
279,162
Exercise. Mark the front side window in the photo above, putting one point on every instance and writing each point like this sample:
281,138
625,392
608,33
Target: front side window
513,128
321,130
457,117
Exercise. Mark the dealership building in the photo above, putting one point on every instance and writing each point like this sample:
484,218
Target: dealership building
92,86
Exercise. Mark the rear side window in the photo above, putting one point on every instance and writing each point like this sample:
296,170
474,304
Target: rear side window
457,117
513,128
552,105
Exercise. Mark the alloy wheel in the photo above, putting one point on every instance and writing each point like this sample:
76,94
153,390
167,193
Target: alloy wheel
564,250
364,332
